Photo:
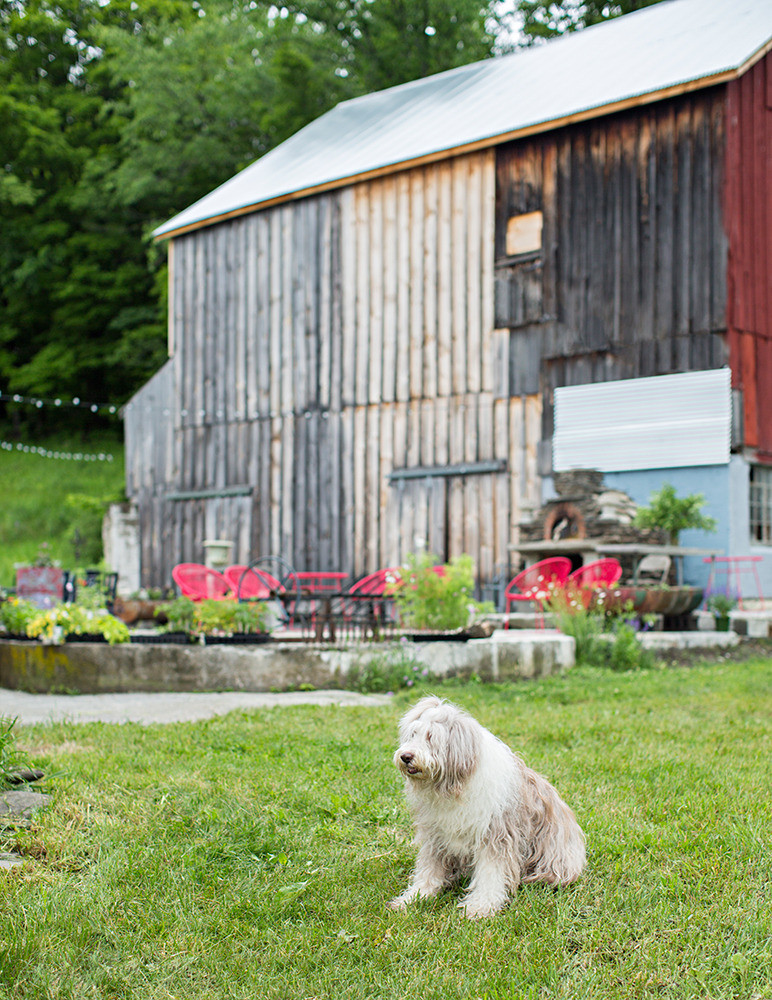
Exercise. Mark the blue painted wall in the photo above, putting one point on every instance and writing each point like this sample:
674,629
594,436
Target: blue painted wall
712,481
726,492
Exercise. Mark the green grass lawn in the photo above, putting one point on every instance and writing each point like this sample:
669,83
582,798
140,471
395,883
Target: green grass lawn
252,856
58,502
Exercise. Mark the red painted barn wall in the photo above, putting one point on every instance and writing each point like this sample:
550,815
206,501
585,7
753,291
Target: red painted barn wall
748,201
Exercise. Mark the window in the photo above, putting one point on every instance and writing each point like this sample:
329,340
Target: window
524,234
761,504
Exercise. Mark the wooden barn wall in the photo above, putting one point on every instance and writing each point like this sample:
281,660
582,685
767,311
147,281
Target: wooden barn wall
149,439
748,199
332,357
631,277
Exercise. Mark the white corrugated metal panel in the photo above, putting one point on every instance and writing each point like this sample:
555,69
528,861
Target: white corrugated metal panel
664,422
644,53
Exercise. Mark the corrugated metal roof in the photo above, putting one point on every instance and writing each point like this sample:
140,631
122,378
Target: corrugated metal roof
660,422
639,57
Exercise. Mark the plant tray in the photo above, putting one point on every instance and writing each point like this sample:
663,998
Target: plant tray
85,637
163,638
240,639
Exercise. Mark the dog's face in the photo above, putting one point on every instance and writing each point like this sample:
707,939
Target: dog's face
439,745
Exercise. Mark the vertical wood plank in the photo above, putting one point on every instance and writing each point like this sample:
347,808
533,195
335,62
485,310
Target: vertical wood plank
446,250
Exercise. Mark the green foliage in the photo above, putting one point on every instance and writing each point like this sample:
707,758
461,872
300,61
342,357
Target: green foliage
605,634
386,671
225,617
16,614
54,624
545,19
674,514
721,604
35,511
11,757
214,617
432,599
179,614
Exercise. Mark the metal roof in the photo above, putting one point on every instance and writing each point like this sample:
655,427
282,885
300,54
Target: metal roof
670,47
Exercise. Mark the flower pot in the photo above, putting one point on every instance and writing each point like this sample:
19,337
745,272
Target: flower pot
721,622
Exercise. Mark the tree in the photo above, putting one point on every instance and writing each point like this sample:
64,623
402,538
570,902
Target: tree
382,43
544,19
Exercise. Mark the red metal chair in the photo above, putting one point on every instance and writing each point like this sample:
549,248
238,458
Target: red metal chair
537,584
199,582
592,577
250,583
381,583
378,583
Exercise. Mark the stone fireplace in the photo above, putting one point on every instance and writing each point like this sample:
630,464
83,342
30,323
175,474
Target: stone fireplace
585,510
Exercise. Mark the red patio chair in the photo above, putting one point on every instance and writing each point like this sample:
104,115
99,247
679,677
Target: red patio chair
199,582
381,583
537,584
592,577
378,583
250,583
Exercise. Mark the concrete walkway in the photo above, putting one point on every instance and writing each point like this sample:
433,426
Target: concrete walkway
165,707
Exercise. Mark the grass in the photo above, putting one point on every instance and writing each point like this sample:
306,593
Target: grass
57,502
252,855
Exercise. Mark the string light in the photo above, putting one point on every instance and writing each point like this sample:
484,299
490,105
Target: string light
76,402
67,456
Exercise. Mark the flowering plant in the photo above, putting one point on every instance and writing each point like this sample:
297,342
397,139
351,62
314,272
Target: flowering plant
437,596
62,620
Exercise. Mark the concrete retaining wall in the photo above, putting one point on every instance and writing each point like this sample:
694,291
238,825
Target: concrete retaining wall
88,668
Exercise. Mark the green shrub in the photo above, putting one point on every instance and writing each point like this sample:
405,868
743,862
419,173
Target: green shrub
437,597
604,633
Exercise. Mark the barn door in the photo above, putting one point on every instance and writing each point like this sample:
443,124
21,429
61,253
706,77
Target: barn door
418,516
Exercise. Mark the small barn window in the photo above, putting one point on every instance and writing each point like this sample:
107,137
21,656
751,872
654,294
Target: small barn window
761,504
524,233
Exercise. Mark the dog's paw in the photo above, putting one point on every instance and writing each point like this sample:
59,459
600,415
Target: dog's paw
479,909
399,903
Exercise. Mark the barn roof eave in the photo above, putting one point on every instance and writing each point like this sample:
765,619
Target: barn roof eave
637,100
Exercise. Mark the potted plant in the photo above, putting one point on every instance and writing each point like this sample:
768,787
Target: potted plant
674,514
74,623
720,605
228,621
437,598
178,628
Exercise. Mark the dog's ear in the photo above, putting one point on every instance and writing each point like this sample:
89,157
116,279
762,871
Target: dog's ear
462,752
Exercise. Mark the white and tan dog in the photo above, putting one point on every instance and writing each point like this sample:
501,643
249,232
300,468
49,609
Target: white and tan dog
479,811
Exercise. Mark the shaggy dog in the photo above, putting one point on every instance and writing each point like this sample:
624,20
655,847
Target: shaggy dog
479,811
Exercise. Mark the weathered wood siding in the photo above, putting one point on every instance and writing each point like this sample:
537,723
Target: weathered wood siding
631,277
749,219
323,346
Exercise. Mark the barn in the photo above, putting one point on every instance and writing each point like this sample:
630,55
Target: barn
392,330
